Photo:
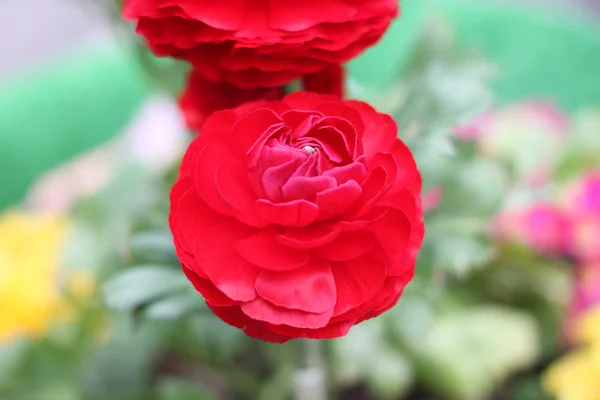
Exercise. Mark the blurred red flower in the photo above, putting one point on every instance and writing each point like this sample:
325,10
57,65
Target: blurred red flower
298,218
201,97
263,43
327,81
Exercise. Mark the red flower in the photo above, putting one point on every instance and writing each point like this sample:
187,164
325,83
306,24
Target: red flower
327,81
201,98
262,43
298,218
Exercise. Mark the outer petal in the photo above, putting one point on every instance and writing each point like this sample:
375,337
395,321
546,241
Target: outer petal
347,246
258,330
261,310
309,289
380,130
393,233
213,250
312,236
211,294
357,281
330,331
327,81
262,250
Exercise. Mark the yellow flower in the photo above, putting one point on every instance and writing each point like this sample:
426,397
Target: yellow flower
577,375
30,299
588,327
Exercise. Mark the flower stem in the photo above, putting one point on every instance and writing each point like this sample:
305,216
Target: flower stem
309,380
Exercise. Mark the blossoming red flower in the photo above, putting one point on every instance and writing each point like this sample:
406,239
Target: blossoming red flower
201,98
327,81
261,44
298,218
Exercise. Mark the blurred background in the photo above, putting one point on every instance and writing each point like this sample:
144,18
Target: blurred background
499,101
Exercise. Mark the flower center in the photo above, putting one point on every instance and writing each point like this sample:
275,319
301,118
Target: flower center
309,149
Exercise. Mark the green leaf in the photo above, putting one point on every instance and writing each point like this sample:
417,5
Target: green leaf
473,187
366,355
459,254
391,376
468,353
142,284
11,355
583,147
154,246
214,336
176,306
178,389
123,368
278,387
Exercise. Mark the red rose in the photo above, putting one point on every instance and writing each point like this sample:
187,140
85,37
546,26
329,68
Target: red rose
298,218
327,81
201,98
263,43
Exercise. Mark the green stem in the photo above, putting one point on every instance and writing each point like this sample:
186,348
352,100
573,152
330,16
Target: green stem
309,380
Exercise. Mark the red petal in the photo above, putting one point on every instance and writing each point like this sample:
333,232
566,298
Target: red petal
398,284
203,168
407,171
326,81
365,220
357,281
310,288
250,129
336,201
258,330
262,310
211,294
298,15
235,191
380,180
355,171
314,235
306,188
393,232
330,331
263,250
190,214
307,101
295,213
213,250
347,246
380,130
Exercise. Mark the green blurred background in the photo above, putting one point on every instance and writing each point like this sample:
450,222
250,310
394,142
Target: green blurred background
75,100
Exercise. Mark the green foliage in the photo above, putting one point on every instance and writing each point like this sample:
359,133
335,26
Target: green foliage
140,285
177,389
583,147
466,354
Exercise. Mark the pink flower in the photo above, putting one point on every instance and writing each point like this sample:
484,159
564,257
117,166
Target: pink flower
585,295
527,135
584,238
583,208
584,196
542,227
432,198
475,129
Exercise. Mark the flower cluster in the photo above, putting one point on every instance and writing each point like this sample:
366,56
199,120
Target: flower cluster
294,215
